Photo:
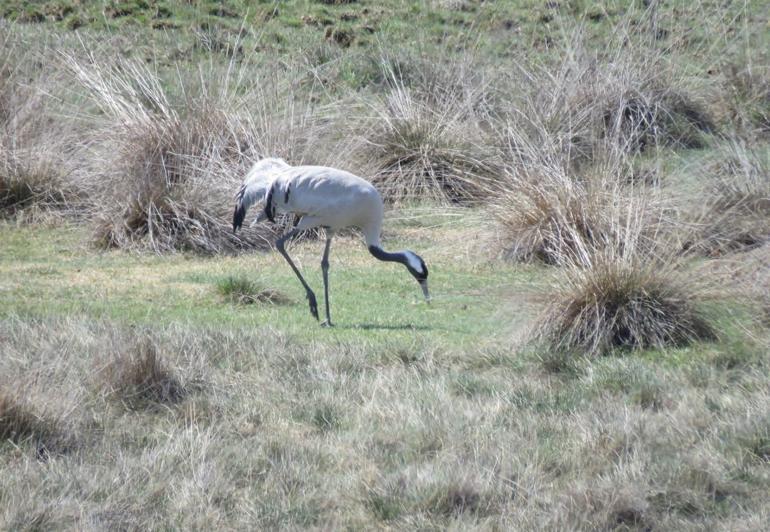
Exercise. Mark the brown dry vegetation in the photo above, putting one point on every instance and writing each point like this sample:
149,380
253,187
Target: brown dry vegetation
737,212
140,377
167,168
36,151
620,290
274,432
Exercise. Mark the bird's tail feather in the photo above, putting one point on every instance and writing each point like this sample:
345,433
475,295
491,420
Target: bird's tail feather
240,209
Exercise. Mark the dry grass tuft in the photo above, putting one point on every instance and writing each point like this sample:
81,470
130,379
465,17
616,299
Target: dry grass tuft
544,214
172,157
140,379
591,103
424,143
35,150
622,291
25,182
20,424
737,213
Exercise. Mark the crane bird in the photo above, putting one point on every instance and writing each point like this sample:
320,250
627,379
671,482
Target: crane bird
321,197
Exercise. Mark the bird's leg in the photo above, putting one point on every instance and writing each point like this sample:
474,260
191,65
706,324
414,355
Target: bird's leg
325,270
279,244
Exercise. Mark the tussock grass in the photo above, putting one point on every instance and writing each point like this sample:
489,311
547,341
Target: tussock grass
622,291
171,159
35,150
425,143
736,216
244,291
545,214
628,98
141,378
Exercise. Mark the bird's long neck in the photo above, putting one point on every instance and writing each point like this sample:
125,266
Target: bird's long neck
383,255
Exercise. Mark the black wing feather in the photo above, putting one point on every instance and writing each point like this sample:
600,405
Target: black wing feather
240,211
269,208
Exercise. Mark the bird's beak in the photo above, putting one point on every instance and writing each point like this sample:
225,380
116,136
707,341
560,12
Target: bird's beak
424,286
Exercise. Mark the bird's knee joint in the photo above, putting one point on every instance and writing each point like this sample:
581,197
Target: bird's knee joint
325,264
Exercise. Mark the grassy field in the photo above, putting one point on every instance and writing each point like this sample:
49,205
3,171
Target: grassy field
589,184
404,415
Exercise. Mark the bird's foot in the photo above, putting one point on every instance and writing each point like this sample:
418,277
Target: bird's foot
327,323
313,305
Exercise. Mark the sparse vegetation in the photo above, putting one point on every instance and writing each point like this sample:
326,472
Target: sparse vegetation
588,186
244,291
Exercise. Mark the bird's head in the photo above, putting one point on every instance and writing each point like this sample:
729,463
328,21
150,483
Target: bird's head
419,271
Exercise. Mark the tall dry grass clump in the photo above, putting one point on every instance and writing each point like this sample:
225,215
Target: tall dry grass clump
155,186
736,214
422,140
624,290
544,213
546,209
37,145
630,96
171,153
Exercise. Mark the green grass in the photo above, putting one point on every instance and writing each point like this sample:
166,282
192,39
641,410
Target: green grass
166,31
52,272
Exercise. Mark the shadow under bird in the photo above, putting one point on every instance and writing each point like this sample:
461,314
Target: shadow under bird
321,197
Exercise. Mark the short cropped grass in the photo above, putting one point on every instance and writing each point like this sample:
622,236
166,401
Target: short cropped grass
56,272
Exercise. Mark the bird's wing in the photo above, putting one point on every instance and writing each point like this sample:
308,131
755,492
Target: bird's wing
256,186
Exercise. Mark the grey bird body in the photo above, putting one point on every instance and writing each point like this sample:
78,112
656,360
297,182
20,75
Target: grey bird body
322,197
348,200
